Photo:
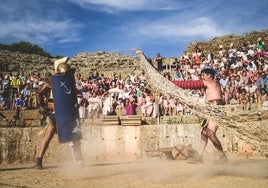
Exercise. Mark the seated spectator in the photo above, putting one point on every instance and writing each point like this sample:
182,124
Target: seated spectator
172,106
142,79
120,106
166,107
3,103
224,80
147,107
20,103
179,108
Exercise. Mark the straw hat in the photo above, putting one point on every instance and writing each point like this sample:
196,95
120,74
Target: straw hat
60,65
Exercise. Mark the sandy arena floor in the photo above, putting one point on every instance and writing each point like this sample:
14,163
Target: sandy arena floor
153,173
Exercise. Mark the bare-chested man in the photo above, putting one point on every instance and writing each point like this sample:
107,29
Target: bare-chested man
214,95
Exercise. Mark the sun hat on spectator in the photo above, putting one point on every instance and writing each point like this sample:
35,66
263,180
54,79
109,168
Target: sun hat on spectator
40,83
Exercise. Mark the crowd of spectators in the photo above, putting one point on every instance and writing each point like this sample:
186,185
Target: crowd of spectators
240,70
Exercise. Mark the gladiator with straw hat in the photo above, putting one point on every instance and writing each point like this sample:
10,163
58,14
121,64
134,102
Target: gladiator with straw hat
61,114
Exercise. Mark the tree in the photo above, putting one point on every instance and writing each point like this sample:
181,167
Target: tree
25,47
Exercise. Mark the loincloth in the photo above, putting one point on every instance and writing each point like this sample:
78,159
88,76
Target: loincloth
217,101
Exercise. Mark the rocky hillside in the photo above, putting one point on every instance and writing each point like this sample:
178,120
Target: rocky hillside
227,40
103,62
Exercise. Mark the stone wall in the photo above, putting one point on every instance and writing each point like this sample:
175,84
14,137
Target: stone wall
20,144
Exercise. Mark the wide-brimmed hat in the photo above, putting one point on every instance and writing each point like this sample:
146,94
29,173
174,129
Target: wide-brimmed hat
58,62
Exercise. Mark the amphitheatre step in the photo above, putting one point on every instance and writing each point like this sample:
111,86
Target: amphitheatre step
110,120
24,114
133,120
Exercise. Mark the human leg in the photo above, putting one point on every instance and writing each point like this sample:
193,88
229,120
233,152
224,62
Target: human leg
44,145
17,112
217,144
203,144
209,132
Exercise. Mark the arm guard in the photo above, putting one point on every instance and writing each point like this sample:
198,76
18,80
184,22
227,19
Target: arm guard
189,84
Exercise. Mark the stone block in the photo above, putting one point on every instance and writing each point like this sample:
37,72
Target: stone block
32,123
19,123
134,120
4,123
110,120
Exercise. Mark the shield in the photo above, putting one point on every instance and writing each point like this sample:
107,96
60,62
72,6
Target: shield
64,95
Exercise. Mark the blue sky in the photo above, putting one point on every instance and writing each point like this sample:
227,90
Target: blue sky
69,27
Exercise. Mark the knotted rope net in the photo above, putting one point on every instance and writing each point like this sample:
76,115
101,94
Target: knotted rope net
251,127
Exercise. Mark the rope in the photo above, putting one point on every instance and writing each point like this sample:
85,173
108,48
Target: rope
241,125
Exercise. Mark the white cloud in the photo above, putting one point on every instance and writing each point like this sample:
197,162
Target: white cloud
171,28
112,6
42,31
36,23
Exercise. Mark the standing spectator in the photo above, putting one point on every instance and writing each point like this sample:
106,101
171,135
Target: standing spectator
94,105
264,100
244,99
44,92
159,62
15,84
107,108
251,88
82,102
175,65
130,107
